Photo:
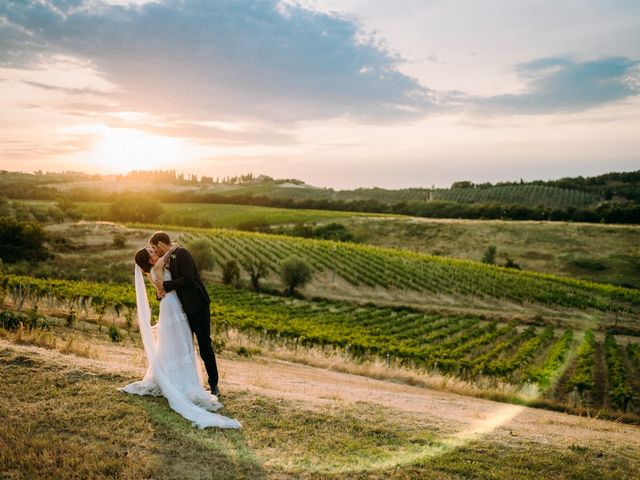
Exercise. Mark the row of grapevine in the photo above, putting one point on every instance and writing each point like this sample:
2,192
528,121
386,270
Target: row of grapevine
79,294
582,378
619,390
543,374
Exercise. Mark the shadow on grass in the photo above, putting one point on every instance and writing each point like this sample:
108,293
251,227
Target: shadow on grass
187,452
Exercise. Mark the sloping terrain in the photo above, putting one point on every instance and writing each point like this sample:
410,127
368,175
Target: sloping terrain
64,418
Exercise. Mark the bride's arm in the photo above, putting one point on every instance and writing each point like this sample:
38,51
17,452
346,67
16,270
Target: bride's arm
162,261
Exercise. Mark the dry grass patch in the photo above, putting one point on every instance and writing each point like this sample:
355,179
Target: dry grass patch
69,343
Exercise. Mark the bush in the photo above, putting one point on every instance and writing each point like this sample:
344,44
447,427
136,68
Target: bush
114,334
294,273
256,225
490,255
218,344
510,263
68,209
21,241
12,320
230,272
119,240
202,251
333,231
133,208
243,352
55,214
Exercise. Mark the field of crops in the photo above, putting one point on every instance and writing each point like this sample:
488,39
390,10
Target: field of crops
573,368
561,362
370,266
464,346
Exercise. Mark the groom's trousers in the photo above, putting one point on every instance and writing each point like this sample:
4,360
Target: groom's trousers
200,323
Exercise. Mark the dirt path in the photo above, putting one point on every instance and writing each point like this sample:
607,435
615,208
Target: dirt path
457,417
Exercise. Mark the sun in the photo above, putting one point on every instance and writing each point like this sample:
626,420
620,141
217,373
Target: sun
124,149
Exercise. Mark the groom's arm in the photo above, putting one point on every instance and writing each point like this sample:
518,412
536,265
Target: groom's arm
187,269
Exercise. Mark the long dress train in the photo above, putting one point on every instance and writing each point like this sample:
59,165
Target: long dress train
172,370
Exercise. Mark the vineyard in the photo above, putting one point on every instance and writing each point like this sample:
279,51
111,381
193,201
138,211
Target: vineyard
550,197
561,362
467,347
535,195
378,267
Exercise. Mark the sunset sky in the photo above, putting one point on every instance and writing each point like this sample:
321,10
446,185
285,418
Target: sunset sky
338,93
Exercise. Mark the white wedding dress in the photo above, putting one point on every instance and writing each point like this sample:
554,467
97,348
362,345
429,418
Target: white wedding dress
172,370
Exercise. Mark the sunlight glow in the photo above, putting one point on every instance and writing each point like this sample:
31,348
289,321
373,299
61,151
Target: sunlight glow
485,425
124,149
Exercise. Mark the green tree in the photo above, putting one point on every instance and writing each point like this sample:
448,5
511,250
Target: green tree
257,269
202,251
68,208
21,241
294,273
230,272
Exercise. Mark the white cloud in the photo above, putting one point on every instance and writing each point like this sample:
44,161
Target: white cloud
199,58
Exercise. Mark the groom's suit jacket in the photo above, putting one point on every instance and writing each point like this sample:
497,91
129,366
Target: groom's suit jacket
186,281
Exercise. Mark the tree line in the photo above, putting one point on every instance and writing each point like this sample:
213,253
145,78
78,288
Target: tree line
611,186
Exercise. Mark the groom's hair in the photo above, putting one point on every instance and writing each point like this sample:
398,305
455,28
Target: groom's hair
142,260
160,237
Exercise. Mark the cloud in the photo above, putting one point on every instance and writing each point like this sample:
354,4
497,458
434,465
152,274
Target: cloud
564,84
204,59
263,62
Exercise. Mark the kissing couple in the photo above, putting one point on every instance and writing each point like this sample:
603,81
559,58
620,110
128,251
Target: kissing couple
184,311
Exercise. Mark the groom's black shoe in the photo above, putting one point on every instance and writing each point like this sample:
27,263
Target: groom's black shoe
216,391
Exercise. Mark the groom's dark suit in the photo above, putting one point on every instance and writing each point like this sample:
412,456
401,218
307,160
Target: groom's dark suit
186,281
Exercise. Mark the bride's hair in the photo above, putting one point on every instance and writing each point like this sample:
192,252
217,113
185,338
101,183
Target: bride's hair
142,260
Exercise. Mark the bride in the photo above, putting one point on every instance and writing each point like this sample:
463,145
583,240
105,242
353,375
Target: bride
172,368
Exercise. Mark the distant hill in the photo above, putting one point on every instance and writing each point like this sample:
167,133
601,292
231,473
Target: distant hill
567,192
610,198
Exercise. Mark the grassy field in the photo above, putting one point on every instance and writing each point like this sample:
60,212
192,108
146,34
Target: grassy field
63,418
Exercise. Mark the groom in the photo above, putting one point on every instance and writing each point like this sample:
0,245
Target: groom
186,281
